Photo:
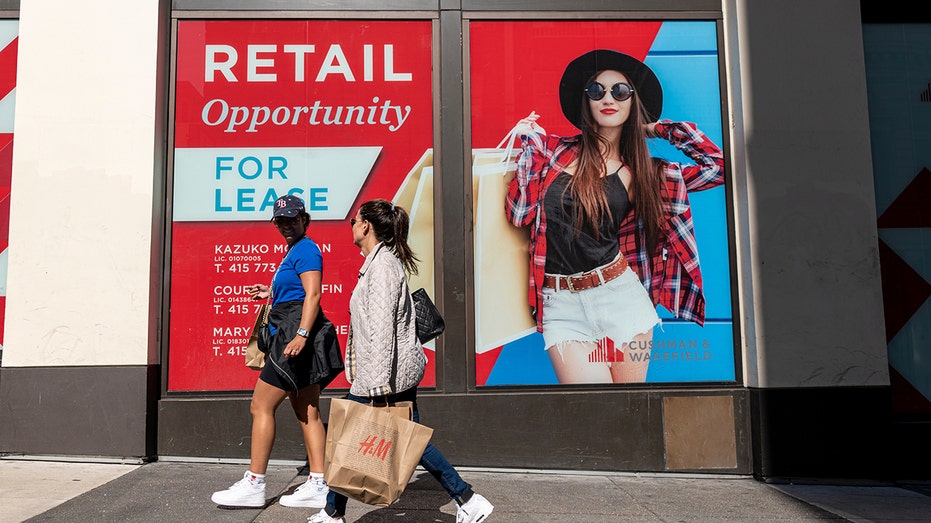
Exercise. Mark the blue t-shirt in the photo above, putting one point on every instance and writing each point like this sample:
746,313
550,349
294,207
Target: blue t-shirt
302,257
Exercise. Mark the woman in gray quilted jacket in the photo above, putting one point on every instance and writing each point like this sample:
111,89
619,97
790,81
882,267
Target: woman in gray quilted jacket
384,359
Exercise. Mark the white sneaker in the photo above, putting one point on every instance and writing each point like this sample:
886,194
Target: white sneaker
311,494
323,517
476,510
243,493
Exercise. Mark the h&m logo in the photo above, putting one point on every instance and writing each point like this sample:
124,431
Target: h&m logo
372,445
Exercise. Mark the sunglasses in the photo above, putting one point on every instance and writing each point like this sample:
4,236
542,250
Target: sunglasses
353,222
620,91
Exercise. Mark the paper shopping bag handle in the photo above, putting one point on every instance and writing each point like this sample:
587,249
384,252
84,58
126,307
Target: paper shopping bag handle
509,140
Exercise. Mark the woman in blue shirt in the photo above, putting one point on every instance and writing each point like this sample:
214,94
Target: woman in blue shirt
303,358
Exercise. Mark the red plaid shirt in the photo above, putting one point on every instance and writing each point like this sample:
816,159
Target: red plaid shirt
672,275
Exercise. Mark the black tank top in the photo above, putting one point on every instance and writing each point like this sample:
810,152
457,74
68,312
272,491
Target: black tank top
569,251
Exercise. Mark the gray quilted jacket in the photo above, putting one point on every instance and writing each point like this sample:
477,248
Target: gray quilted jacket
383,354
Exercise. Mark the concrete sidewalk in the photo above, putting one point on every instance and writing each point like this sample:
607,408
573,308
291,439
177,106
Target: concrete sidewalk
179,491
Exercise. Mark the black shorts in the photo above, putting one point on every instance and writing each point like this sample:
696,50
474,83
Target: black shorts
300,366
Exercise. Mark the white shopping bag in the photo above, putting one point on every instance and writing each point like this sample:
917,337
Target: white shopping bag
501,251
416,197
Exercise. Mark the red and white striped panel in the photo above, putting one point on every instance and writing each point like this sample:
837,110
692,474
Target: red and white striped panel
9,40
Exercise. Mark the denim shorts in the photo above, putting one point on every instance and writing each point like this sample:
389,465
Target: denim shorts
620,309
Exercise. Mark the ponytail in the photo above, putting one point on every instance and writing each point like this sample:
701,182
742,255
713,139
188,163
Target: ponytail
391,225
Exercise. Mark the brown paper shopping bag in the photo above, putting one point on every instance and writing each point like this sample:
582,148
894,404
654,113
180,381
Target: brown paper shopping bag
502,271
416,196
255,358
402,409
371,452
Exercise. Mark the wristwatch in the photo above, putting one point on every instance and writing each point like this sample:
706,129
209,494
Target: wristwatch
302,332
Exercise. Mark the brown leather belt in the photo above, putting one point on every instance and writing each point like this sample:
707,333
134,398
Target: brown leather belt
589,279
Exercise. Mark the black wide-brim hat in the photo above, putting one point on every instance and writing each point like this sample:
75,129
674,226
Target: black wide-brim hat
578,72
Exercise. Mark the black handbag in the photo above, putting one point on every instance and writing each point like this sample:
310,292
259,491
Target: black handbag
263,332
265,336
429,322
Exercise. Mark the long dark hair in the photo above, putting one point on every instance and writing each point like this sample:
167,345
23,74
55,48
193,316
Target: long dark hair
391,225
646,172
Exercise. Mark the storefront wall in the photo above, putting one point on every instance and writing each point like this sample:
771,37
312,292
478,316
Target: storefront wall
793,298
494,375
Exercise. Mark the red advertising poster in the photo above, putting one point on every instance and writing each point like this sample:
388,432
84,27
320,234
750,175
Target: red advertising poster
334,112
617,333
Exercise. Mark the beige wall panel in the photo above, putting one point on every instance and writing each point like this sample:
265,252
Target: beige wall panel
82,191
805,212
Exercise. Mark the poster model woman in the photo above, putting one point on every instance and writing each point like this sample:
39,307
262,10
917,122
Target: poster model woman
611,232
303,358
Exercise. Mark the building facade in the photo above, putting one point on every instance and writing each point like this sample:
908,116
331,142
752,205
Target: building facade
150,140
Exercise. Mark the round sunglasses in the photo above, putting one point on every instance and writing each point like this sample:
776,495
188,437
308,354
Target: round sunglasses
620,91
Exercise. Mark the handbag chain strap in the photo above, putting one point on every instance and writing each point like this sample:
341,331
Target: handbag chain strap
268,302
268,306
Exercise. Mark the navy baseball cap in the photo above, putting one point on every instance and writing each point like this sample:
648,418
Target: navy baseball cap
288,206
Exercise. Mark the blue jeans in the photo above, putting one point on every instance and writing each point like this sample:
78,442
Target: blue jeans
432,460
